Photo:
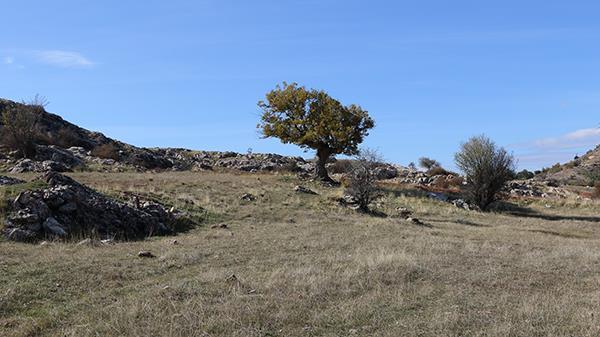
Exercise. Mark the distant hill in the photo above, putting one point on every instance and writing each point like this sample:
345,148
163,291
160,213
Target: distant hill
583,171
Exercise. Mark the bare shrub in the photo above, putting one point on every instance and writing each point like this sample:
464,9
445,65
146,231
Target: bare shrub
361,181
428,163
20,129
486,167
38,101
106,151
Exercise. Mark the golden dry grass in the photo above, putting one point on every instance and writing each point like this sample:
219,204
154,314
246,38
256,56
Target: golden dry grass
304,266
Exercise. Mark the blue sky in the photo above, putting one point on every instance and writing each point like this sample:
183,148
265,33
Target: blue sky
431,73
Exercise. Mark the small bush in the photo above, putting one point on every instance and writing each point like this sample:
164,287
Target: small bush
361,181
524,175
438,170
106,151
428,163
486,167
20,129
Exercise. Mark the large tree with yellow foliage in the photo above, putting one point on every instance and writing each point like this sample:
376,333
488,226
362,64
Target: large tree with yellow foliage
314,120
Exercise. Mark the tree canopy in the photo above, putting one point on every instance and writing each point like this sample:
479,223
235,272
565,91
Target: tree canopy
312,119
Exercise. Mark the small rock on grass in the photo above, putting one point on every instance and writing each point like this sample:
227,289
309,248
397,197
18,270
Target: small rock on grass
302,189
145,253
414,220
248,197
404,212
88,242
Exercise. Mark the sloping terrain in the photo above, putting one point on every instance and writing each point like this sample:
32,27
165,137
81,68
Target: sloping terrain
582,171
293,264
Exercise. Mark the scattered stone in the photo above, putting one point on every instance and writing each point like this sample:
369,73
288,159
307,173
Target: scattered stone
414,220
248,197
460,203
302,189
349,201
28,165
385,171
404,212
145,253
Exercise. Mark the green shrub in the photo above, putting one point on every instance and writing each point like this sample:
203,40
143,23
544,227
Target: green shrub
486,167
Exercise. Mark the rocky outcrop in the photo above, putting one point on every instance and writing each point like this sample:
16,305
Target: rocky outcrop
4,181
28,165
68,209
581,171
183,159
535,189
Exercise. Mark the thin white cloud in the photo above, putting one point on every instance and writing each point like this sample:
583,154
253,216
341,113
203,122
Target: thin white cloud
64,59
8,60
548,151
575,139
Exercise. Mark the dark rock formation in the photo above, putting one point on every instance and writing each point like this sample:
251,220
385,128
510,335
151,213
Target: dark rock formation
4,181
68,209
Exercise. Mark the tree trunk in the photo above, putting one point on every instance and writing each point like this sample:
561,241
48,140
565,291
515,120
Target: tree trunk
320,170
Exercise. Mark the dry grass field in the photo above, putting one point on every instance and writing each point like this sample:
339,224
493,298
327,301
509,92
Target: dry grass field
301,265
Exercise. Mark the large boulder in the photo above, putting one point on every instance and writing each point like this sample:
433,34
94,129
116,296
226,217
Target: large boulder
67,209
57,154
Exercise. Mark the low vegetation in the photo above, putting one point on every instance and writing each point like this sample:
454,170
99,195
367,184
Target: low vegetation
428,163
362,179
486,168
290,264
20,129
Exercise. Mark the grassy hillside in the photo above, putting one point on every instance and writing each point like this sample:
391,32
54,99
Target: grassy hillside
301,265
